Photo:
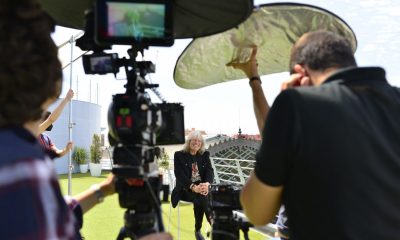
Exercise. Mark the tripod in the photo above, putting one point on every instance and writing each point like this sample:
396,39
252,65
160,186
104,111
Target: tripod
142,217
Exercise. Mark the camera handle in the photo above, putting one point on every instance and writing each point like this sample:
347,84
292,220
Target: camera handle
137,82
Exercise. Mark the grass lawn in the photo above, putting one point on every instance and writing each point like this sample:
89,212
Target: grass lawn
104,221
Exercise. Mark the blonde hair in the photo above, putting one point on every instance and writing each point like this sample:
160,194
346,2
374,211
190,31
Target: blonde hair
192,135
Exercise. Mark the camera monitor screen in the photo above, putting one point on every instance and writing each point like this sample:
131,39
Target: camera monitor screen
134,22
99,63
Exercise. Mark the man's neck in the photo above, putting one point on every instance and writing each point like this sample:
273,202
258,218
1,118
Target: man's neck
32,127
319,77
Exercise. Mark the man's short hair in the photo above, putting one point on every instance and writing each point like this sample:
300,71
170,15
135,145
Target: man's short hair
321,50
30,72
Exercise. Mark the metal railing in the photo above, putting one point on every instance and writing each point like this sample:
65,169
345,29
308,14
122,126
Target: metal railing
232,171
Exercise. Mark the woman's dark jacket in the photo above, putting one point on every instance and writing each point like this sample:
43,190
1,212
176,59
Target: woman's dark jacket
183,173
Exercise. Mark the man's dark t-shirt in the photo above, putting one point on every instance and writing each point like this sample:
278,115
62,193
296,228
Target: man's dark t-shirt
335,149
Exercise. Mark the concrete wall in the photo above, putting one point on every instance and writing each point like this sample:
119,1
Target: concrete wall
86,118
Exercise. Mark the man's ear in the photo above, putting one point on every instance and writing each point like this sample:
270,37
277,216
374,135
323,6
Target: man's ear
300,69
305,79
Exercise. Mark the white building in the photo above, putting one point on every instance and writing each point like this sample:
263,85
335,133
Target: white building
86,119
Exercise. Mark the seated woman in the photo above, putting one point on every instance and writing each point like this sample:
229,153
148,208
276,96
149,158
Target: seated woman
193,174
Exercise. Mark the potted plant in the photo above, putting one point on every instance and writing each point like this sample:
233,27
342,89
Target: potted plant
95,156
80,156
163,160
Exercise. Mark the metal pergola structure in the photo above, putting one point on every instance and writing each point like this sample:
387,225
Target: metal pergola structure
233,160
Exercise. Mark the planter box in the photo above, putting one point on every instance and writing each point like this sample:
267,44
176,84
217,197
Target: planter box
95,169
83,168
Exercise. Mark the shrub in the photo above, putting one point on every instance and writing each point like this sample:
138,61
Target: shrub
95,149
79,155
163,161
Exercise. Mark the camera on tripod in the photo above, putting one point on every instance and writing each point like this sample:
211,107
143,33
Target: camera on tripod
224,199
136,125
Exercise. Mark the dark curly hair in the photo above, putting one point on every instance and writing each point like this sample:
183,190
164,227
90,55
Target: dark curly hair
321,50
30,71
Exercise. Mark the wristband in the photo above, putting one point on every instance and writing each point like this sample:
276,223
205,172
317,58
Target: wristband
255,78
97,192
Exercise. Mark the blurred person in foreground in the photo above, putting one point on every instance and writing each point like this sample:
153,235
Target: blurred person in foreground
31,202
329,150
194,174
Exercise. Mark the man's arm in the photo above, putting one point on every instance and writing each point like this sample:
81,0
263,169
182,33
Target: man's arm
260,202
262,194
260,104
57,112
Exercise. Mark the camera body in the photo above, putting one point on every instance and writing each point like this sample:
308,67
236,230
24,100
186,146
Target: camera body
136,125
134,119
224,199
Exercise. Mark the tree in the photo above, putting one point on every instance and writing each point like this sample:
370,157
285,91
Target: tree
95,149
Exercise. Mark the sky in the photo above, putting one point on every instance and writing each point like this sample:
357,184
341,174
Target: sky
223,108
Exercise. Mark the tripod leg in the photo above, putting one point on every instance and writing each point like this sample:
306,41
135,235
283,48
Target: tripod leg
121,234
124,233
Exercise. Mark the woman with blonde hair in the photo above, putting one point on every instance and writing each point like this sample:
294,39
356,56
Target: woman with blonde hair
193,174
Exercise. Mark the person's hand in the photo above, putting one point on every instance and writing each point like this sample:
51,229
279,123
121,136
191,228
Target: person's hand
204,188
298,78
70,95
196,188
250,67
157,236
69,146
108,186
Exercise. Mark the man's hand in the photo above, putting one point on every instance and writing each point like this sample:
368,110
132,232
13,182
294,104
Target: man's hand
250,67
70,95
298,78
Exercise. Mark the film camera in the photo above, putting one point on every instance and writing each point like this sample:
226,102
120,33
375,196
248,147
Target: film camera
136,124
224,199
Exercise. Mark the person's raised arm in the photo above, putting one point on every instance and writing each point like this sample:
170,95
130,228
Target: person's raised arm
57,112
260,104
